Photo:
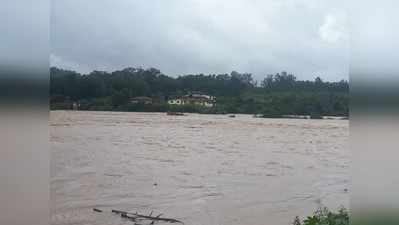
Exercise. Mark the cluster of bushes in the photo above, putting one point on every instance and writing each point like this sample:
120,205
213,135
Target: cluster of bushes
323,216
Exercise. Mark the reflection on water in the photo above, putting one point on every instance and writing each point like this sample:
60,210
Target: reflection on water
201,169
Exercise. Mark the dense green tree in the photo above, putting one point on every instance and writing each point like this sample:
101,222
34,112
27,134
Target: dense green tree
279,94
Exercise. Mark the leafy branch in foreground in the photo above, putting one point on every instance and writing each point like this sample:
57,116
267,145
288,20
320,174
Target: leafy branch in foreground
323,216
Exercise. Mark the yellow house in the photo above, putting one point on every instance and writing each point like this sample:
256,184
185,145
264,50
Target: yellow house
193,99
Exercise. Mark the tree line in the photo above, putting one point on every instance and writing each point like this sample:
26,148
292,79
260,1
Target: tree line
276,95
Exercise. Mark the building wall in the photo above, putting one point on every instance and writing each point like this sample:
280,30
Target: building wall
179,101
208,104
175,102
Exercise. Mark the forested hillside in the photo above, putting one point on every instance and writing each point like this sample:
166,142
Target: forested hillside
276,95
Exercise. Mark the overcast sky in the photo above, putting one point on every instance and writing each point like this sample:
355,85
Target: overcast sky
305,37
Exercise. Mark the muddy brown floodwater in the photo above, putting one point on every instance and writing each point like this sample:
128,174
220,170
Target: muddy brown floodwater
201,169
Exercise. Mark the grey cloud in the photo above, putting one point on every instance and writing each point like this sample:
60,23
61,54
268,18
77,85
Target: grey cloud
305,37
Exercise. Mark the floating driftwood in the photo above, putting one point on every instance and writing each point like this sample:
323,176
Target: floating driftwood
136,216
97,210
175,114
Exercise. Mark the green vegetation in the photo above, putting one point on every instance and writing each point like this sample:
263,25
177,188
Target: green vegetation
277,95
323,216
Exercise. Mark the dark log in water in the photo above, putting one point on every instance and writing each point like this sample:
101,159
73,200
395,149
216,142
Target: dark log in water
134,216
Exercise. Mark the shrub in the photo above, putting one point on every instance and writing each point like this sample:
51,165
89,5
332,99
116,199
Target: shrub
323,216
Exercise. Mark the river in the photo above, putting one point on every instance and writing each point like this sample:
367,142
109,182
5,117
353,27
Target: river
201,169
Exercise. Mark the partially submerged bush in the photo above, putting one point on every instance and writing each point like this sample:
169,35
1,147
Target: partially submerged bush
323,216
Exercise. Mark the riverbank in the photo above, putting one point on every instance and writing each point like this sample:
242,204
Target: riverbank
231,115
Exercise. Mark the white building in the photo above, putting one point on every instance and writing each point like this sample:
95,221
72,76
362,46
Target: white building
193,99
